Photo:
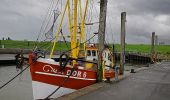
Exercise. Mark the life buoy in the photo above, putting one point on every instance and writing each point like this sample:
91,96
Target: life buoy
64,62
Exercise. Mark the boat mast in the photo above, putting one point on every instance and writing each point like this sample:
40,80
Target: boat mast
74,42
101,35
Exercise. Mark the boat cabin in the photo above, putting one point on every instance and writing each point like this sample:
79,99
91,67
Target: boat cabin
92,54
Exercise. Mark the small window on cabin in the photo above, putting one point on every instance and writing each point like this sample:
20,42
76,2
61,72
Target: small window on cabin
108,57
88,53
93,53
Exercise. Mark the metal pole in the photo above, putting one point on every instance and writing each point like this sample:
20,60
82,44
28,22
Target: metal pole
123,31
101,35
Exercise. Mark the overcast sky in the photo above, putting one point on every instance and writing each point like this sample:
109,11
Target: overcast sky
22,19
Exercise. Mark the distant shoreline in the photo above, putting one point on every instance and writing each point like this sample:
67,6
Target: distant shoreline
14,51
25,51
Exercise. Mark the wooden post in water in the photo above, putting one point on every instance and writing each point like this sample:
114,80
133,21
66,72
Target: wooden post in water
123,31
101,36
152,46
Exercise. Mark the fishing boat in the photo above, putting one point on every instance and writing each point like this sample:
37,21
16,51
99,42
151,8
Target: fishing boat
53,77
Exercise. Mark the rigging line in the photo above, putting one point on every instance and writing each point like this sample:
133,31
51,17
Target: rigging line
49,19
80,44
95,8
44,19
64,38
65,80
55,8
91,13
48,14
76,46
63,26
51,39
51,13
43,23
47,43
87,19
90,18
51,44
17,74
54,37
88,11
72,48
61,5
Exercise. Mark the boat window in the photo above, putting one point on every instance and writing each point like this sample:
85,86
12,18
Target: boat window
88,53
93,53
109,57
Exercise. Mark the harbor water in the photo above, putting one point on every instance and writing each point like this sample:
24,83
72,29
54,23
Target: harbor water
21,87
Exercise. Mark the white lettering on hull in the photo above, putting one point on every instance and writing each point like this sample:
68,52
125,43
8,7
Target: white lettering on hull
50,69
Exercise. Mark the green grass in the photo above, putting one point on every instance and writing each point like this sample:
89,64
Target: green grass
143,48
31,45
17,44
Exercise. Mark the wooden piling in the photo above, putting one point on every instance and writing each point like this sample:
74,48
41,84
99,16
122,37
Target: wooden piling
123,31
101,35
152,46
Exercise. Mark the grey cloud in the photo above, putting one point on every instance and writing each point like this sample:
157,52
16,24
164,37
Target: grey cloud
22,19
143,6
143,17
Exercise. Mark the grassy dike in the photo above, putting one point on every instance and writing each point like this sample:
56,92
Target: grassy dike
14,45
11,44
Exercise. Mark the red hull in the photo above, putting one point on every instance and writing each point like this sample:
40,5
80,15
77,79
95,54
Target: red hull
47,76
51,74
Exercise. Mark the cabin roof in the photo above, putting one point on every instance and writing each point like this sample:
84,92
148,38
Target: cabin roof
91,47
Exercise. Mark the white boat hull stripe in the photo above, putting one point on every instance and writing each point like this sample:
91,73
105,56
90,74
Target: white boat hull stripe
43,73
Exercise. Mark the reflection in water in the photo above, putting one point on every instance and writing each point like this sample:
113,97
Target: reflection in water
19,89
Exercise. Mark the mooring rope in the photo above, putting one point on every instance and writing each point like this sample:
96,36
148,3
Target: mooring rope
65,80
13,78
17,74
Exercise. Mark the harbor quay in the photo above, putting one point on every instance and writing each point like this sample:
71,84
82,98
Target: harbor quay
149,83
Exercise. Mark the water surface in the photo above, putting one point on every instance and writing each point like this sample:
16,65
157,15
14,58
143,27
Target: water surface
19,89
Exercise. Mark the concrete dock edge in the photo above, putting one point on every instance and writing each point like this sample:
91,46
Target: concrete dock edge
95,87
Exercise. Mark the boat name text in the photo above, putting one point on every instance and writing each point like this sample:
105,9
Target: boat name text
48,68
